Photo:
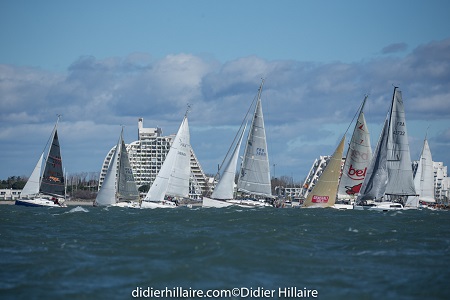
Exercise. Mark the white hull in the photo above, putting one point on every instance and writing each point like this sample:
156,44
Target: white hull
380,206
130,204
39,202
160,204
342,206
208,202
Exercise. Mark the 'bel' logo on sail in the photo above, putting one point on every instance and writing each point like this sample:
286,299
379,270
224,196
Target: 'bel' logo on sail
356,174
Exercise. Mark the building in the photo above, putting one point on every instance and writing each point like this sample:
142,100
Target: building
147,155
9,194
441,183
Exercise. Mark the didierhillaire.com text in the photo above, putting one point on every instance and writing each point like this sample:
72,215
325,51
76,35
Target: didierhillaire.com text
242,292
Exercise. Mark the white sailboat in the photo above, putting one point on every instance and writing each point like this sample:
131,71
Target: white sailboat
423,181
389,178
324,192
46,188
357,161
119,187
172,180
254,176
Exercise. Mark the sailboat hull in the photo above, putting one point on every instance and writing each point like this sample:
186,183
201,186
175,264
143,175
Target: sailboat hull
380,206
208,202
160,204
38,202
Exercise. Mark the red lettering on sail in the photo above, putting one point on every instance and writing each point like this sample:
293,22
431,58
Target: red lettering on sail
356,174
319,199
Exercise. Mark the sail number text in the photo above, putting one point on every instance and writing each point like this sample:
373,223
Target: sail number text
260,151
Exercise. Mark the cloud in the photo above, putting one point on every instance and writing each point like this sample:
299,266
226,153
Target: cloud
394,48
307,105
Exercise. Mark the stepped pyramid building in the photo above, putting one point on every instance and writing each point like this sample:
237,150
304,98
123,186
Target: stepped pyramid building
147,155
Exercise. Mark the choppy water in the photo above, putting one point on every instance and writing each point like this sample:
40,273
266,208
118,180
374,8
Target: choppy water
98,253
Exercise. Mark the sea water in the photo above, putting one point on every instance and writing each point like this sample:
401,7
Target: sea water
186,253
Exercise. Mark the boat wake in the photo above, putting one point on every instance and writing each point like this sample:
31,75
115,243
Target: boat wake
77,209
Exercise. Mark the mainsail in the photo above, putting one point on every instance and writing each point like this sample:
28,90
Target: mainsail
52,182
359,155
254,177
400,176
173,177
126,185
324,191
424,179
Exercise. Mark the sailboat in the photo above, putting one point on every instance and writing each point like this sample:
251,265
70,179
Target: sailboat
389,177
359,154
119,187
46,188
423,180
254,176
324,192
172,180
224,189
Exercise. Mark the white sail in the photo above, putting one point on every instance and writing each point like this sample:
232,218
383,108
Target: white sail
254,177
106,195
224,189
33,183
424,179
359,155
126,185
173,177
324,191
400,176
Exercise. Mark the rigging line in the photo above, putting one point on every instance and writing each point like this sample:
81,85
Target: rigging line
237,134
361,106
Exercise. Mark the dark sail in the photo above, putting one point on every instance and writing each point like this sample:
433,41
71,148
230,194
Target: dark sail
53,177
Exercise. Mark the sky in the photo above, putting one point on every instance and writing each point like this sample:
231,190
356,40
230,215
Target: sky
104,64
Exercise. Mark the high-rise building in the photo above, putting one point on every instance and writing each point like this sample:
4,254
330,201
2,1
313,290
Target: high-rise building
147,155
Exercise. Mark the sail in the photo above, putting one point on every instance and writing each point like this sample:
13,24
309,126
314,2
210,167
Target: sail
126,186
254,177
225,187
374,184
359,155
53,176
33,183
173,177
398,157
107,192
424,179
324,191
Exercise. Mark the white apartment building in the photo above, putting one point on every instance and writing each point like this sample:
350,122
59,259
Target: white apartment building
147,155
